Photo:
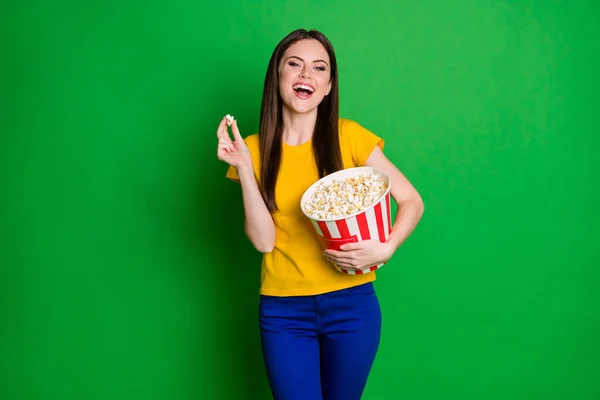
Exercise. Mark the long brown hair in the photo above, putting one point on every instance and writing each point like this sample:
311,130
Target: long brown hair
326,144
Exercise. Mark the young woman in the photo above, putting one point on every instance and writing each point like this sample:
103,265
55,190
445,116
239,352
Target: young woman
319,328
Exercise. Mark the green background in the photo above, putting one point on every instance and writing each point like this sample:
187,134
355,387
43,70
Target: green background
125,273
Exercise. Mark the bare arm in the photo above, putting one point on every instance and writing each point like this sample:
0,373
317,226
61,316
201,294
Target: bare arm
258,223
410,209
410,204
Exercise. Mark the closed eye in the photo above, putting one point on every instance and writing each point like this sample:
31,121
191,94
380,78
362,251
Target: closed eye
293,64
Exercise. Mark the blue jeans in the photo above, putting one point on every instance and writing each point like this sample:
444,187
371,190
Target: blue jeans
320,347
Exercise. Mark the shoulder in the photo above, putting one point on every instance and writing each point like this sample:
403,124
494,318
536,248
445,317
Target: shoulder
345,122
349,127
359,140
352,131
345,125
253,143
252,140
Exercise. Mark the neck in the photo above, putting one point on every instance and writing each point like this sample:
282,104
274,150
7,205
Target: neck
298,128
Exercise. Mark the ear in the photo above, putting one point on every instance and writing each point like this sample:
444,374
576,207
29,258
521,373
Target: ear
328,88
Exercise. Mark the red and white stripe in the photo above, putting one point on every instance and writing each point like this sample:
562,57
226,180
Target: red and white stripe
374,223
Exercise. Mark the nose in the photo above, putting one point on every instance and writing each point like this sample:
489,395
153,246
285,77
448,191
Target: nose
305,73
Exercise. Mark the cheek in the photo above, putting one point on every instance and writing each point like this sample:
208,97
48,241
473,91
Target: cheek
323,84
285,75
284,82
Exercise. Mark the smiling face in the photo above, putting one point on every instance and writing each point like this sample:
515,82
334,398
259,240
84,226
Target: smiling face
304,76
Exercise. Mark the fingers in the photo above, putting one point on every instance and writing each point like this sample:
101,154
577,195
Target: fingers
352,246
239,142
345,263
223,136
351,265
344,259
225,144
340,255
348,266
236,132
222,129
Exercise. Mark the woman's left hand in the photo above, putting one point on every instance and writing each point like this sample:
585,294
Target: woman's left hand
360,255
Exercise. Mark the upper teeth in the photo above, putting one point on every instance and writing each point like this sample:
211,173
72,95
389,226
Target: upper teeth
304,87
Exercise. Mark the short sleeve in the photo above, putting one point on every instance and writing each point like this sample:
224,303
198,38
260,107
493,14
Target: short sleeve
232,174
361,140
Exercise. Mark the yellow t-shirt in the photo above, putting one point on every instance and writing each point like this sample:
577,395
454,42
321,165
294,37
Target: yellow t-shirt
296,265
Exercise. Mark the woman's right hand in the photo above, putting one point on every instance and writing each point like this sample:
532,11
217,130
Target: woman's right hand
235,152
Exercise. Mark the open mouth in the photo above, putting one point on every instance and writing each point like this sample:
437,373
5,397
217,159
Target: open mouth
303,91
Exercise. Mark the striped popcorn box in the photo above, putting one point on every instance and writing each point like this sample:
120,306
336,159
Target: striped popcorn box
373,222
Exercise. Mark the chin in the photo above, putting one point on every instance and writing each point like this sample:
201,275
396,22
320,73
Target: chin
302,110
302,107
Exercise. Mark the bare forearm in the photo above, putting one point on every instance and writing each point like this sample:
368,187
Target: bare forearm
258,222
408,216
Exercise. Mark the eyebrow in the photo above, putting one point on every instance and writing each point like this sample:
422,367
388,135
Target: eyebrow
303,60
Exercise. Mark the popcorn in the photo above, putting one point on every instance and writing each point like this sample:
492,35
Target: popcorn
229,119
344,197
